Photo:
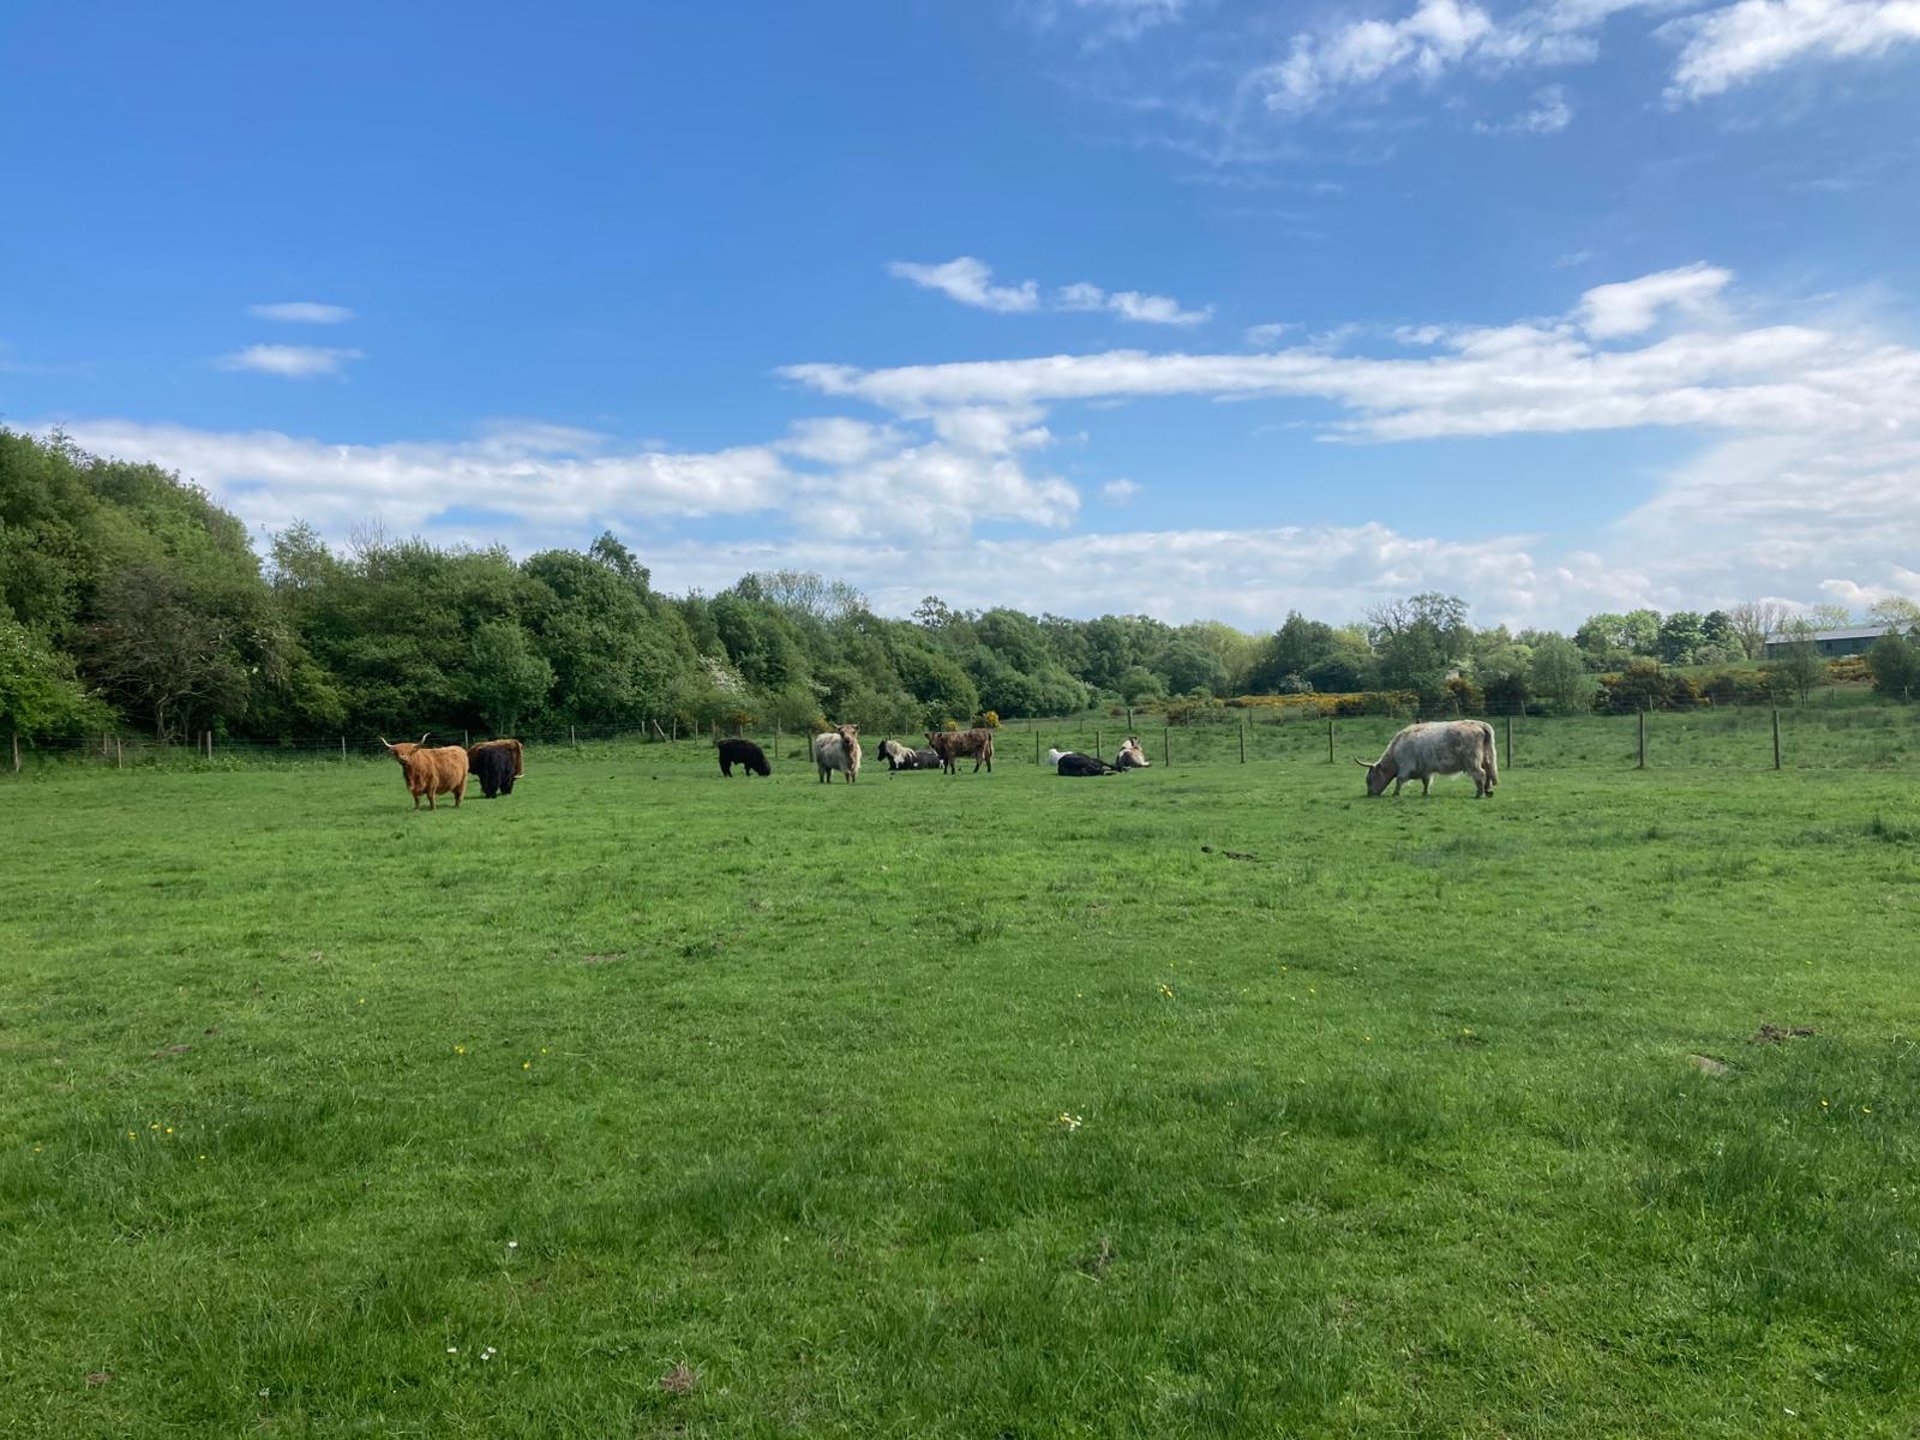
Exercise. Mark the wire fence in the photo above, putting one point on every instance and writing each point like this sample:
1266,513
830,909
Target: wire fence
1864,736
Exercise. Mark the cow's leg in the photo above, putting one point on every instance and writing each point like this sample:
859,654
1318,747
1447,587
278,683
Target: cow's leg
1426,785
459,794
1396,785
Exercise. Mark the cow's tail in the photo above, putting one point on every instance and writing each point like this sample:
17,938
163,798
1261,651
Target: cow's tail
1492,758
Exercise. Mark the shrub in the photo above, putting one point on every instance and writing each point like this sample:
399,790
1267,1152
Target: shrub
1465,697
990,719
1735,687
1643,685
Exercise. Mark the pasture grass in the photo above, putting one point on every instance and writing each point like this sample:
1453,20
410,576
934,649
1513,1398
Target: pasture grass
1204,1101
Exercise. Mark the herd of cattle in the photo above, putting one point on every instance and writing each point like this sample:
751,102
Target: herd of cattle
1419,752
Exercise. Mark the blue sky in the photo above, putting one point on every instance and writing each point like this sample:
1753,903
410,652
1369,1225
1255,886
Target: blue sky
1201,309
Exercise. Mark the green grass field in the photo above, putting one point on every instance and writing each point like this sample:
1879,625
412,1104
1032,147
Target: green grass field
981,1106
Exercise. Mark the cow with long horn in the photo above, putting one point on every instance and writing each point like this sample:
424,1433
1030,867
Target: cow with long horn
439,771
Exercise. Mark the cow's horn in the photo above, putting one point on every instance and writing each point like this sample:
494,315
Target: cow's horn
1364,764
423,738
386,742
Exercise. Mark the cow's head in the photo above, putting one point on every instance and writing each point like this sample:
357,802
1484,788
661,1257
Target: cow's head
849,735
1379,775
405,748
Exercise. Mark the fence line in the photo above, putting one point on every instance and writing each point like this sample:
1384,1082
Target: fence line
1868,736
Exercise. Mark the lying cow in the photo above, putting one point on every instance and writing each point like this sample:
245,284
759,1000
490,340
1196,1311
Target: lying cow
1070,762
952,744
496,765
901,757
1131,756
439,771
838,749
1441,747
744,753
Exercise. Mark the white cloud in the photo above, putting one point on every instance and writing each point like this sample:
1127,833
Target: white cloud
837,440
1128,19
1262,336
970,281
1549,116
1436,37
1247,576
1813,471
302,312
1742,42
550,477
1632,306
1807,480
294,362
1130,305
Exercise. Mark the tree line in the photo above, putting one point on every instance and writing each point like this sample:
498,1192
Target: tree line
129,598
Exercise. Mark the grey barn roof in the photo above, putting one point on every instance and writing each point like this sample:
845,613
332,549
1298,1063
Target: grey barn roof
1851,632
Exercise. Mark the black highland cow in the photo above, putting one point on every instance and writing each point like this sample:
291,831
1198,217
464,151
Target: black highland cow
742,752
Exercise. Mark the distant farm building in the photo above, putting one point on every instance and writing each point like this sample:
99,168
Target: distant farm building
1854,640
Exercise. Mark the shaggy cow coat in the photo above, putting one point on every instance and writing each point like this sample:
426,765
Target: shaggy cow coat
951,744
744,753
1443,747
493,767
439,771
511,746
838,750
1131,756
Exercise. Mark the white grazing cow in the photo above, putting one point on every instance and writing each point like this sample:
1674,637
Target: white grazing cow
1441,747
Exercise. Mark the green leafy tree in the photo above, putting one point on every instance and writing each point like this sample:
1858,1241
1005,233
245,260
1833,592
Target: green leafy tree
1720,640
40,695
1680,637
1184,665
167,661
1138,684
506,676
1419,640
1894,662
1557,672
1289,655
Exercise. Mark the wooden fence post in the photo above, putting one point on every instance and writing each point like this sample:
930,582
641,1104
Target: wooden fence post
343,747
1166,744
1036,743
118,759
1329,742
16,752
1243,739
1643,741
1509,740
1096,741
1776,738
